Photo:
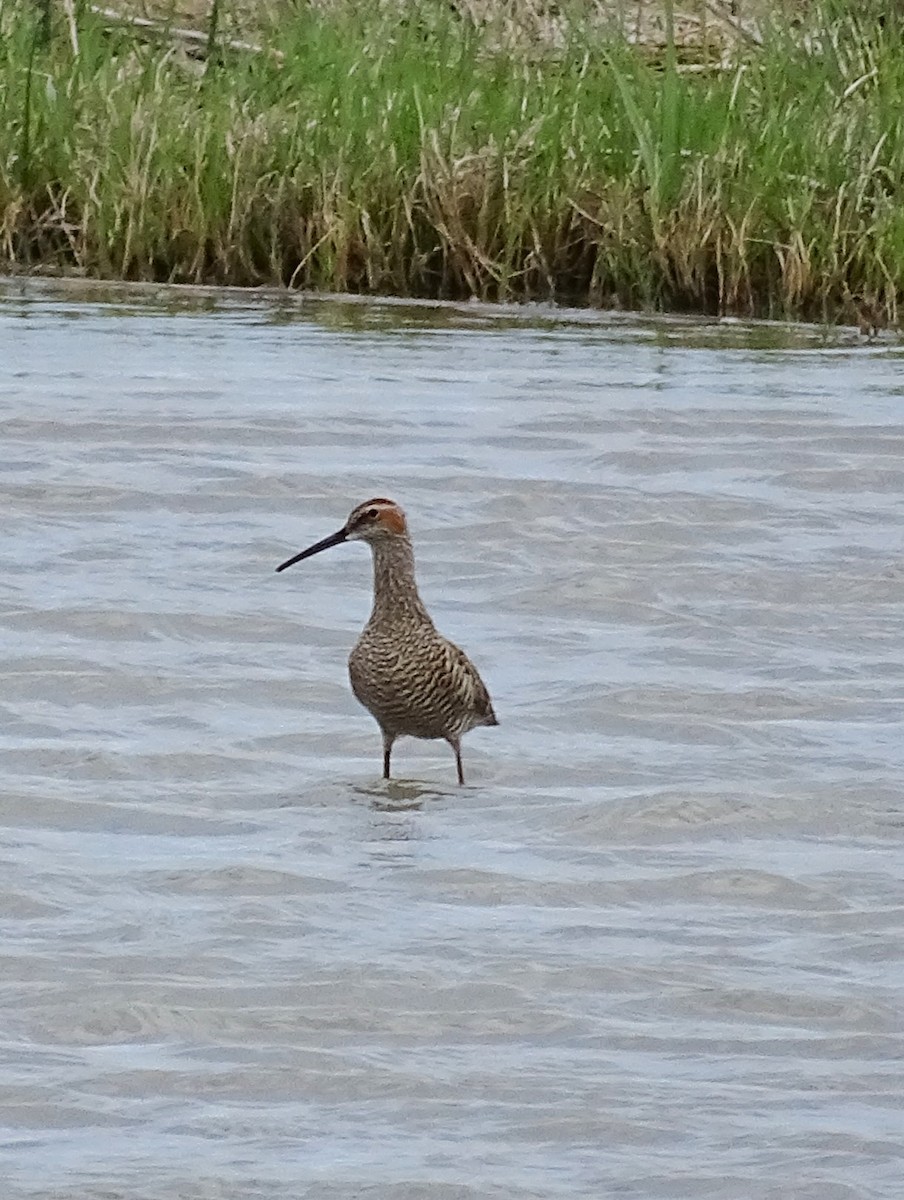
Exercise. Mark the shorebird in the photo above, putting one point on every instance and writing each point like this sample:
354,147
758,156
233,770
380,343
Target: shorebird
412,680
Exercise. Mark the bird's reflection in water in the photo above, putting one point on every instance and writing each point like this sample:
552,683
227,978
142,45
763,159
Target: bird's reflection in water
396,833
399,795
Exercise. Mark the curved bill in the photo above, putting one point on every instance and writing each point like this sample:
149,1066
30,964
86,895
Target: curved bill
333,540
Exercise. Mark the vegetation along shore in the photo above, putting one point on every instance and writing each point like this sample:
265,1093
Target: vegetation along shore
750,165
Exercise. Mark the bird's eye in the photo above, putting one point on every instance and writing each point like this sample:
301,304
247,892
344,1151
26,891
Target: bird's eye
371,512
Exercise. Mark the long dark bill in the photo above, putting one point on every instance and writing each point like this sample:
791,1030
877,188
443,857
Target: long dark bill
333,540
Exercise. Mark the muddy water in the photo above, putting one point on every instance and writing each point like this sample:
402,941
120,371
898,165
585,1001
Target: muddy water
654,949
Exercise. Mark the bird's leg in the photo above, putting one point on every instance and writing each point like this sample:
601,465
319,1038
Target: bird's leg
387,750
456,746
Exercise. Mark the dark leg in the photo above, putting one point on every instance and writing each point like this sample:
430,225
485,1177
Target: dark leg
387,750
456,746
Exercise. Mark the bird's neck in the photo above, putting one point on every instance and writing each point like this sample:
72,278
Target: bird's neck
395,588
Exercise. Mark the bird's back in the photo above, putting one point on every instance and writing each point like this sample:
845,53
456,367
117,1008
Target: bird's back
417,683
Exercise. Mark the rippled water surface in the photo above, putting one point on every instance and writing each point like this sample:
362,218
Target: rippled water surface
654,949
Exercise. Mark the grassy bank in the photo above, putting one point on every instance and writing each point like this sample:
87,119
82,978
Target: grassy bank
431,157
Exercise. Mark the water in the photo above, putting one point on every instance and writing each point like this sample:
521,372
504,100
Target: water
654,949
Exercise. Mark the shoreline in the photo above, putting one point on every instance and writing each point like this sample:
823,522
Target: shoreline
193,296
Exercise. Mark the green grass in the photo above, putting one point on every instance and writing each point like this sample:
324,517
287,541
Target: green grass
425,159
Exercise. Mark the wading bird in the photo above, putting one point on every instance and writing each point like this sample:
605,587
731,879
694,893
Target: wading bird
413,681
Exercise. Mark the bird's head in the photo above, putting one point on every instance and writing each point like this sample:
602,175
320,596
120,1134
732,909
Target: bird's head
373,521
